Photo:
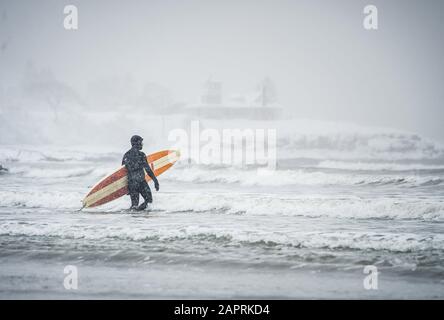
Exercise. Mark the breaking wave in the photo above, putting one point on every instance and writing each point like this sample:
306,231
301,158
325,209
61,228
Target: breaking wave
347,207
263,177
321,140
63,172
245,204
379,166
49,154
41,199
199,174
396,242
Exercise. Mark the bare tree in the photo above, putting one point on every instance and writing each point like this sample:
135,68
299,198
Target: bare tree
42,85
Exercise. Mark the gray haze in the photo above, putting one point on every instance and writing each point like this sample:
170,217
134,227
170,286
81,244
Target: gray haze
324,64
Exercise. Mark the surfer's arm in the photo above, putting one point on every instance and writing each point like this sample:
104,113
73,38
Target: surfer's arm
150,172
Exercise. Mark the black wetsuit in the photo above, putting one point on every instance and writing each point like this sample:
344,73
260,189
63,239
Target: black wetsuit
136,164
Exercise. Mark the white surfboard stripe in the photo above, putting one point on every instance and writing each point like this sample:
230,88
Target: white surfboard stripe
122,182
102,193
159,163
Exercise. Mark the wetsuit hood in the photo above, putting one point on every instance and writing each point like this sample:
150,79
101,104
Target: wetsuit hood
136,141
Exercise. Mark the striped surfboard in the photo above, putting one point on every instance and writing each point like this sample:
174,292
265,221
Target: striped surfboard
115,185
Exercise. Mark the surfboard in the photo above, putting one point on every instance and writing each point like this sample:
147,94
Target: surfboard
115,185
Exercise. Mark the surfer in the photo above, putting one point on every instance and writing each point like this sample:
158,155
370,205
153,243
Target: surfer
135,162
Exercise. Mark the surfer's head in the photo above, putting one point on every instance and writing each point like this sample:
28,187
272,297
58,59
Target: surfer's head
136,141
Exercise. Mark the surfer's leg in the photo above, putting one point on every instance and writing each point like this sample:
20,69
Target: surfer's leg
134,200
133,191
145,191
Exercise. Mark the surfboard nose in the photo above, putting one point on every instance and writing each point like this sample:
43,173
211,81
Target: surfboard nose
173,155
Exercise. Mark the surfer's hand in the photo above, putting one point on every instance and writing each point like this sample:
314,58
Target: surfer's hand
156,185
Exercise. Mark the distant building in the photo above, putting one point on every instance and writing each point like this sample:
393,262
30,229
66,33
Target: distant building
261,104
212,93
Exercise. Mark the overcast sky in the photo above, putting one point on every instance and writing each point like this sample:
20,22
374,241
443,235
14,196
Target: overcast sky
324,63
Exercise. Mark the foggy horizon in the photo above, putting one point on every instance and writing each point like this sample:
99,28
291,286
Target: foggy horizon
325,65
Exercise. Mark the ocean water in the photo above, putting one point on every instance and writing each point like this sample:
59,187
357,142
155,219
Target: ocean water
306,230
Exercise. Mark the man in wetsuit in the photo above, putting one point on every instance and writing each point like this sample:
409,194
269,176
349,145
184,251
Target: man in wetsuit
135,162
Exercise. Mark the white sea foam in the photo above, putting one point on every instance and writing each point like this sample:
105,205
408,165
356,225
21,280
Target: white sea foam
378,166
29,172
32,154
244,177
41,199
60,172
296,177
245,204
346,207
397,242
321,140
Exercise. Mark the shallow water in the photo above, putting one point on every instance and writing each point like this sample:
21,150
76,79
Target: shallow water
306,231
